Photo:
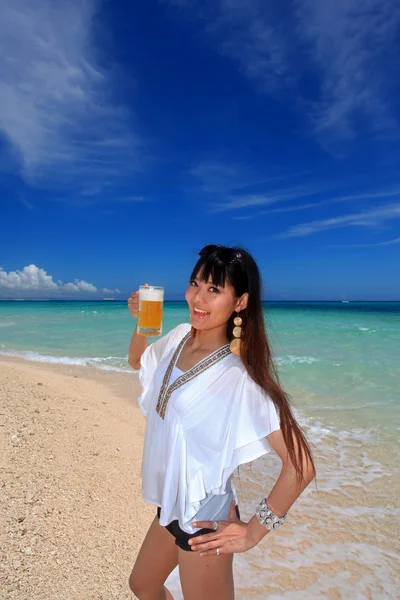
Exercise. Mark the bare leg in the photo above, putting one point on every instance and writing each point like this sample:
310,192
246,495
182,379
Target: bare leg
157,558
205,577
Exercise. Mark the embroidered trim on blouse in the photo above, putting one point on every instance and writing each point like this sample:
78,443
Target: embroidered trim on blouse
166,389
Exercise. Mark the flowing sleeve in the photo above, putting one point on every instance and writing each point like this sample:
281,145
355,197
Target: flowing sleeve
150,360
256,418
239,436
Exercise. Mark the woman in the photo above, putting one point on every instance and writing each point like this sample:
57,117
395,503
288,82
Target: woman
213,402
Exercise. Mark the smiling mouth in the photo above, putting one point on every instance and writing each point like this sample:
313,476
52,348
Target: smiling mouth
200,313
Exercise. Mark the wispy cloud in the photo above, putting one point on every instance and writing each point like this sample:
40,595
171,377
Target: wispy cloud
351,199
388,243
385,243
234,183
217,177
57,116
294,193
254,200
352,43
33,281
22,200
105,197
348,48
367,218
231,186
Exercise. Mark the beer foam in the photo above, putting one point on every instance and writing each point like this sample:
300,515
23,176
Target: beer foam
151,295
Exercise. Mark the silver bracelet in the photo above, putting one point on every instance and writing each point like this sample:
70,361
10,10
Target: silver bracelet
267,517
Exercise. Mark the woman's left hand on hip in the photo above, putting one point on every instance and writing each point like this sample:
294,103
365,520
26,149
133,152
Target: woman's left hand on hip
231,536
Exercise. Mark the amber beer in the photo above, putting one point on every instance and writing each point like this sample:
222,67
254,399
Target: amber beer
151,299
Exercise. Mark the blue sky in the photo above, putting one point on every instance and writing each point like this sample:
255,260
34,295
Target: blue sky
132,134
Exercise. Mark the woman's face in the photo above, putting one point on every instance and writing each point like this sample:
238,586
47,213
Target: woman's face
210,306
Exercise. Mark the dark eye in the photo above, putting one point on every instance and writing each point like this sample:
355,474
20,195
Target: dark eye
193,283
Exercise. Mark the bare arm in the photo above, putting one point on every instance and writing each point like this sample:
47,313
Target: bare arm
136,348
233,535
286,489
138,342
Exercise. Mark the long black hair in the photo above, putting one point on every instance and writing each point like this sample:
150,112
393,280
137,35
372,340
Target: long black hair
241,270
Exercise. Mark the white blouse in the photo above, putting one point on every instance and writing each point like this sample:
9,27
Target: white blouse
214,507
201,425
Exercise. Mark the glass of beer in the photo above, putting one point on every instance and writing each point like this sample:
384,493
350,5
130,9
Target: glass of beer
151,299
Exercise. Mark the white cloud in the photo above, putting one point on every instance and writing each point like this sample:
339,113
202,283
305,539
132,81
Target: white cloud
367,218
30,278
108,291
79,286
56,112
32,281
346,49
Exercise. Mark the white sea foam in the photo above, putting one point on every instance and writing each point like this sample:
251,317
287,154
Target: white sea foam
344,463
7,323
254,570
377,576
355,562
108,363
320,433
291,359
346,407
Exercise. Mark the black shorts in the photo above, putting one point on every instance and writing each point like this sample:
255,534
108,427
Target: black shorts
181,537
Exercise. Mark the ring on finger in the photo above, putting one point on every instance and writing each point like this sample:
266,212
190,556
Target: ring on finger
215,525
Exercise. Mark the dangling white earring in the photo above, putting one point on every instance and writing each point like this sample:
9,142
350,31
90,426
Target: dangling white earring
236,343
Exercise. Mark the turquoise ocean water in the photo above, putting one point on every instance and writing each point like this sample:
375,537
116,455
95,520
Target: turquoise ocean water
340,363
339,360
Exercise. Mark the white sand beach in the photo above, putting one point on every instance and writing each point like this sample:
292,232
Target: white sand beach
71,440
71,448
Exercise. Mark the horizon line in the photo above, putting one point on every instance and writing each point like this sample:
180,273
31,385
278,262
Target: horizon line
183,301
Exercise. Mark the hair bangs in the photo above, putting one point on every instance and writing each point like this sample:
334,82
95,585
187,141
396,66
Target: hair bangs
211,266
